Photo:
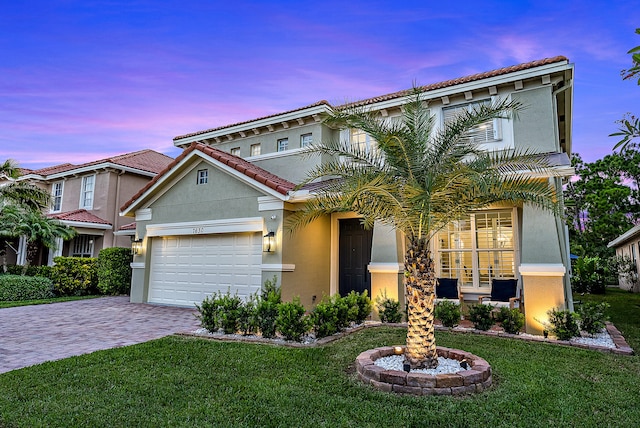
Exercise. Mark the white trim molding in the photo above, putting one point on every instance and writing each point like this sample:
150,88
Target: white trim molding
377,267
137,265
542,269
278,267
207,227
143,214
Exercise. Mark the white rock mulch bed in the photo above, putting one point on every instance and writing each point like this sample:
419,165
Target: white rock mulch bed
602,339
396,362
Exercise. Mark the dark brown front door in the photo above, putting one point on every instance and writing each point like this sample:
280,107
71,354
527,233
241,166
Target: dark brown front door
355,255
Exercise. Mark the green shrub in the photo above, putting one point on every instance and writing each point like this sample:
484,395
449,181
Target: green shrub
512,320
590,274
114,270
209,313
267,308
292,322
325,318
388,309
17,287
229,312
563,324
43,271
248,317
74,276
359,306
480,316
448,313
592,316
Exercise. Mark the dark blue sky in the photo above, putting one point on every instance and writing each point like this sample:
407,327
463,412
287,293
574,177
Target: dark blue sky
82,80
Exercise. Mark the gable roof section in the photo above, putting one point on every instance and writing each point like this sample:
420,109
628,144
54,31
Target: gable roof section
148,162
238,164
389,97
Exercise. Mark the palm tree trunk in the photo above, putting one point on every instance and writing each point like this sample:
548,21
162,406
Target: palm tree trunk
420,285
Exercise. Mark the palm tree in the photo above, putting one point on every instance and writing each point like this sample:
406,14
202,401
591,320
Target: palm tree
418,181
24,194
35,227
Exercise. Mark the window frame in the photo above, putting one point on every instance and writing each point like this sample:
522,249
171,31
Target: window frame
235,151
83,242
282,145
304,144
56,199
202,176
87,181
494,124
473,250
255,149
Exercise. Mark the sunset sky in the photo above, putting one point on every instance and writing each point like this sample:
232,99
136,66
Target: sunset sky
84,80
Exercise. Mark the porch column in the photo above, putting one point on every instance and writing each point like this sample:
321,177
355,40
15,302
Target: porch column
21,256
386,266
57,252
542,289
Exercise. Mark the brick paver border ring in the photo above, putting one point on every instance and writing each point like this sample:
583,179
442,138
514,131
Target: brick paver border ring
475,379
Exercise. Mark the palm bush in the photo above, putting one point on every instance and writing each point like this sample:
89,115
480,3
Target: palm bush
418,180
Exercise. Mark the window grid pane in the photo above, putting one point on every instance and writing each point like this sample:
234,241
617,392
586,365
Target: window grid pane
306,140
255,149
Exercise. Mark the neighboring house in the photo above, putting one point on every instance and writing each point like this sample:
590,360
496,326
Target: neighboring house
214,220
628,245
87,197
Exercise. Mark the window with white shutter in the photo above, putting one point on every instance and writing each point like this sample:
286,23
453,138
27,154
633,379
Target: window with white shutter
488,131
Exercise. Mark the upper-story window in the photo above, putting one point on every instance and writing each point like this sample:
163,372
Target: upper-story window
235,151
56,196
86,192
361,140
306,140
203,176
283,144
483,133
255,150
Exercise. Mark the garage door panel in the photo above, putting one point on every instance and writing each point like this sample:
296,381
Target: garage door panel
185,270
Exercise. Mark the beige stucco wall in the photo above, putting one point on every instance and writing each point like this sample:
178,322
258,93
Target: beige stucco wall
309,249
541,293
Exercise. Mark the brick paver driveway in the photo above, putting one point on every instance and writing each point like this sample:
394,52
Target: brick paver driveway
35,334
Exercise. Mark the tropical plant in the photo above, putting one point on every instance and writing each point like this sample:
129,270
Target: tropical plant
480,316
563,324
418,180
388,309
511,320
448,313
35,227
629,125
22,194
593,316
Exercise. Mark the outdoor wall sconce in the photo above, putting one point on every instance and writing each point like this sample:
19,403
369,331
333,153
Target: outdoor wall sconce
269,242
136,246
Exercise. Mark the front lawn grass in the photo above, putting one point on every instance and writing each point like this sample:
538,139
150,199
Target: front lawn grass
190,382
11,304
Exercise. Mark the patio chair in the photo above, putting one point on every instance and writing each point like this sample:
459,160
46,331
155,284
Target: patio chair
504,293
447,288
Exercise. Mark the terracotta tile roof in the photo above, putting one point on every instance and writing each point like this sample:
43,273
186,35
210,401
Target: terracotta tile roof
145,160
130,226
82,216
193,134
258,174
460,80
405,92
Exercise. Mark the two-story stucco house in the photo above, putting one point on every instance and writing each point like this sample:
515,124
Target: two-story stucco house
88,198
214,220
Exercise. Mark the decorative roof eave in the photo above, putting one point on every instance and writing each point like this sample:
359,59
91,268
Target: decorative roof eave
526,71
314,111
627,236
85,169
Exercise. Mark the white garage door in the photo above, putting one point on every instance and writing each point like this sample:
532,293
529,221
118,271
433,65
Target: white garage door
186,269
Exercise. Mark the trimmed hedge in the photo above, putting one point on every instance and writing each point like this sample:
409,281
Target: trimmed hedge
44,271
114,270
18,287
75,276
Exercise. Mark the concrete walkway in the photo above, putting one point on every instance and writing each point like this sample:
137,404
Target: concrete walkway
34,334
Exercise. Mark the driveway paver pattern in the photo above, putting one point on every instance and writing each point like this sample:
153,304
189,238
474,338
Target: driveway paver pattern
34,334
